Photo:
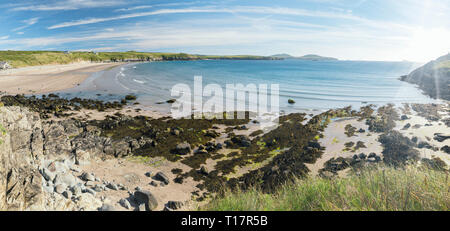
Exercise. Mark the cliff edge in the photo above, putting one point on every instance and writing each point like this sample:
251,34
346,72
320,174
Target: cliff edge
433,78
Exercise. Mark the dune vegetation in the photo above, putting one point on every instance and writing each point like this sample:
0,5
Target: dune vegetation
33,58
376,189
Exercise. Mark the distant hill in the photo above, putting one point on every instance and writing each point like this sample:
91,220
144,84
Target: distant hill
433,78
310,57
283,56
34,58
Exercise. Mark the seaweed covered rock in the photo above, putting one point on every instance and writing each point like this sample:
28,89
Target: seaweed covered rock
398,149
182,149
384,121
428,111
240,141
56,106
435,163
440,137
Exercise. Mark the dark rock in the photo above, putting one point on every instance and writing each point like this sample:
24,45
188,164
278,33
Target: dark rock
416,126
162,177
291,101
87,177
174,205
372,155
130,97
446,149
408,125
398,149
182,149
146,198
241,141
153,183
435,163
404,117
441,137
424,144
203,170
112,186
362,156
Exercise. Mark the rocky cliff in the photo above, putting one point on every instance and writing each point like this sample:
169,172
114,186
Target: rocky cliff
20,146
38,159
433,78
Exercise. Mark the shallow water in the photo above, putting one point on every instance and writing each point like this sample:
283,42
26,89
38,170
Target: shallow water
313,85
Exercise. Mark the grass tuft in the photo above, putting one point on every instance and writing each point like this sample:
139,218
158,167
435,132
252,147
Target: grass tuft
386,189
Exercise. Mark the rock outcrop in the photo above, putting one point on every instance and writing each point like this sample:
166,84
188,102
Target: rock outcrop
20,149
37,162
433,78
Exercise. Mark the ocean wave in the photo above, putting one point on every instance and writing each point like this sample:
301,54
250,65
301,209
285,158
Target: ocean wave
139,81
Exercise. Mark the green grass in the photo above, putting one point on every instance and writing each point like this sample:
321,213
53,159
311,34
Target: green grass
442,65
33,58
373,190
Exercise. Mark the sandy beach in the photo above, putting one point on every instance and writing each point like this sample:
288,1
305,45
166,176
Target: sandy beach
48,78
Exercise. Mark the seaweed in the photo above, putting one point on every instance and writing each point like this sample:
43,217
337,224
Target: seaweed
398,149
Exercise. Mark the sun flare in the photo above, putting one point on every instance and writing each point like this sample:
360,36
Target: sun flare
428,44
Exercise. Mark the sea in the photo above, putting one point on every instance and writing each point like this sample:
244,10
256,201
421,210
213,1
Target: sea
315,86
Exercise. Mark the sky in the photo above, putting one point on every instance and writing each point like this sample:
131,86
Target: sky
413,30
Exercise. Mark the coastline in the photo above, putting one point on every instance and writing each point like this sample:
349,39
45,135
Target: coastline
48,78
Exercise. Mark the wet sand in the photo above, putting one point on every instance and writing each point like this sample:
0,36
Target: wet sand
48,78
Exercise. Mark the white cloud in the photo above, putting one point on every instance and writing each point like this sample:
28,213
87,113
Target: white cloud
70,5
255,10
4,37
141,7
28,23
198,36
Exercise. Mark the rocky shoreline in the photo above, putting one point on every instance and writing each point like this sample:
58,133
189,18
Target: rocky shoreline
53,160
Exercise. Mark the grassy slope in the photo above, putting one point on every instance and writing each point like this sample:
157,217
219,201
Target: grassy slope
444,64
34,58
391,189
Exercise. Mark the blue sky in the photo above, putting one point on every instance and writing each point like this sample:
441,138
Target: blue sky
416,30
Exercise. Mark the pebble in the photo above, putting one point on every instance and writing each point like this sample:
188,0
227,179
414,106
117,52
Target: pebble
87,177
88,190
98,188
67,194
153,183
162,177
112,186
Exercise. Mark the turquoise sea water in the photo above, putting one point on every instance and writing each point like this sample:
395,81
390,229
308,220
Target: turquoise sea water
314,85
